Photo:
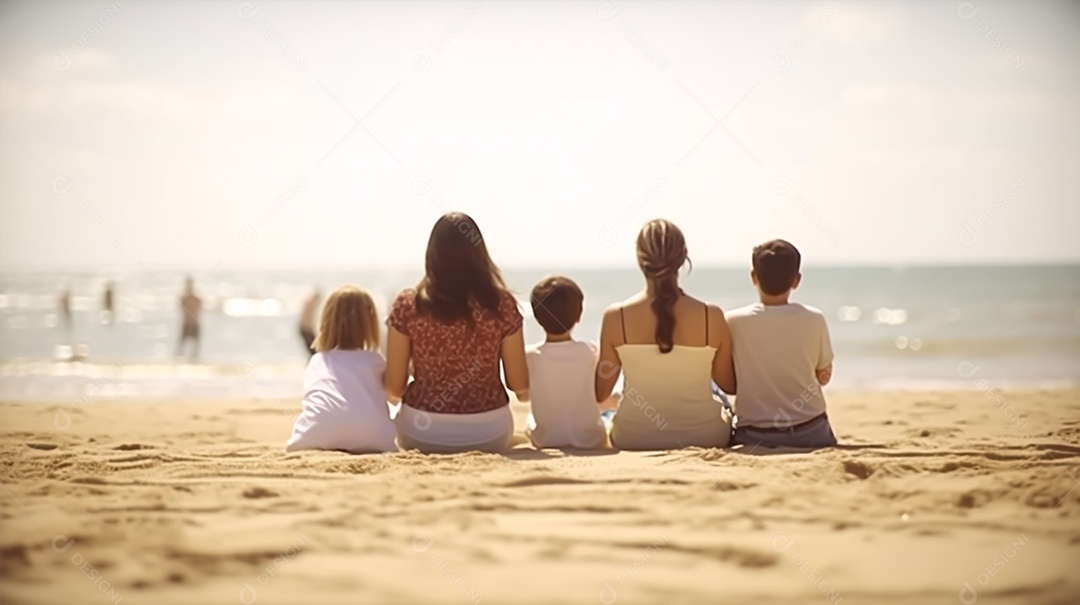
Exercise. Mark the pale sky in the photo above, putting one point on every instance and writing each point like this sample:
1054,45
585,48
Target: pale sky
188,134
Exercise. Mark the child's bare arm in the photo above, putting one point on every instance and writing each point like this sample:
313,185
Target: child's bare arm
825,356
608,365
398,364
824,375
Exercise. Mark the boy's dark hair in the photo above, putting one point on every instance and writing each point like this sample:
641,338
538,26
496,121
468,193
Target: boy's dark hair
556,303
776,264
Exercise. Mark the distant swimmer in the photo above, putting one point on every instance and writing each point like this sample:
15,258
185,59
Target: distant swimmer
64,304
309,316
108,304
191,309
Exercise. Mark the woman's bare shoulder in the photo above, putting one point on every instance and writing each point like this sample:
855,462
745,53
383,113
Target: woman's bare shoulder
627,305
612,310
697,302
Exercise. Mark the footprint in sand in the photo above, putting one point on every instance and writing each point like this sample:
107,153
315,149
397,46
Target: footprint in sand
259,492
973,499
953,465
859,469
542,480
1044,497
15,553
934,431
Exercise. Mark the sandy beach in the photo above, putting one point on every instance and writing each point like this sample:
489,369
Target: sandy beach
933,498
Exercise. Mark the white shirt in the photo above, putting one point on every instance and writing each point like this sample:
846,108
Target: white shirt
777,349
564,410
344,404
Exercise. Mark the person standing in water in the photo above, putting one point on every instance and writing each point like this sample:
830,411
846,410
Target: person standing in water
309,316
108,304
64,304
191,309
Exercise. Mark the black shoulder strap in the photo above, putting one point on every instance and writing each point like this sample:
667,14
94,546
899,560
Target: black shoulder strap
706,324
622,318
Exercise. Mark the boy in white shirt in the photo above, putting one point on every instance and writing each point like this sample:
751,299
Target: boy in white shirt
783,357
564,411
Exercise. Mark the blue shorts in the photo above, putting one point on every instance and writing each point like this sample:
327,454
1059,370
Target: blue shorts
813,433
724,401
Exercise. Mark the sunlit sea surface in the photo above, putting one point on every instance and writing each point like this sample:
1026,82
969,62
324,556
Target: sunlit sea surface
912,328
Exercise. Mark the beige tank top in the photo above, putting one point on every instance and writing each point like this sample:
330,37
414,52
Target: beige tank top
667,399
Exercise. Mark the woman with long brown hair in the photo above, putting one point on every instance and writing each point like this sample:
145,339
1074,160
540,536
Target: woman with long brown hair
453,329
671,348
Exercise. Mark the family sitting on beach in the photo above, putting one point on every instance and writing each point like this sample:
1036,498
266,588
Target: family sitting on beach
452,331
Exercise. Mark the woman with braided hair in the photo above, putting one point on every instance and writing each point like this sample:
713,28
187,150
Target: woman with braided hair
671,347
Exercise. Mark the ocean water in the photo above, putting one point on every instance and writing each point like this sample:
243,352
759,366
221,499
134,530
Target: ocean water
912,327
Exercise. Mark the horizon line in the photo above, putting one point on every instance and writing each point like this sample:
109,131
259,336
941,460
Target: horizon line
174,267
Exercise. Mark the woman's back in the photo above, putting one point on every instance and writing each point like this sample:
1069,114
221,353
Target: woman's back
456,364
670,347
637,321
450,334
667,397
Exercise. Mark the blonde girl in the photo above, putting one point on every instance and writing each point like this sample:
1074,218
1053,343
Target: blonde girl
344,401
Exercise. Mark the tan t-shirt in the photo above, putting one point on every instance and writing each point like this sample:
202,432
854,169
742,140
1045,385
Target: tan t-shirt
777,349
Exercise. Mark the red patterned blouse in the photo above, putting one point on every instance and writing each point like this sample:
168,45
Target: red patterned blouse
455,365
